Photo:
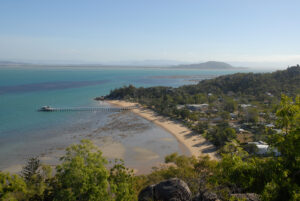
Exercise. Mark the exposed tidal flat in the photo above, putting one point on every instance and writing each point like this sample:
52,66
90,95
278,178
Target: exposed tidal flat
197,145
121,135
24,132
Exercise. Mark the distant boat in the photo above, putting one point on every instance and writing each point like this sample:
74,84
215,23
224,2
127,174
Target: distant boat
46,108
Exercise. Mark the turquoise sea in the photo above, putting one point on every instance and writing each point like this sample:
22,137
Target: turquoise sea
24,132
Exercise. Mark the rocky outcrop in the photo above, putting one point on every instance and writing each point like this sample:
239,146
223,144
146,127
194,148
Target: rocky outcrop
178,190
206,196
168,190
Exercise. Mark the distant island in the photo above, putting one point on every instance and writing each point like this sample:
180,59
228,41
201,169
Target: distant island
12,63
209,65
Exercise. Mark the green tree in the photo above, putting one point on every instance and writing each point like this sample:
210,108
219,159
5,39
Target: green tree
286,181
221,134
288,113
200,98
229,105
185,113
36,176
122,182
252,115
201,127
225,115
31,170
82,174
12,187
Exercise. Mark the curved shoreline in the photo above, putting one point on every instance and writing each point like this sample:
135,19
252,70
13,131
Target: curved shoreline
196,144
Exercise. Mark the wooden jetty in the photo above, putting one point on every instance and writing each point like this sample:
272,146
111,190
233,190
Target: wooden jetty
91,109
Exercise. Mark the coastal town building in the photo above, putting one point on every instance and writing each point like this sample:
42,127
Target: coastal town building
264,148
194,107
245,105
270,125
197,107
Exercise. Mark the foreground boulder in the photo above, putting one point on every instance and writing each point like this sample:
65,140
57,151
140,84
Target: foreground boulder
168,190
206,196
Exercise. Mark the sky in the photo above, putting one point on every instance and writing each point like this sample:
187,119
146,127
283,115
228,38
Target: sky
241,32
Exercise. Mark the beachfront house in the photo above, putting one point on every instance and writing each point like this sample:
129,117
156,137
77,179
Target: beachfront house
269,94
270,125
245,105
217,120
242,131
197,107
277,131
203,119
264,148
233,116
179,107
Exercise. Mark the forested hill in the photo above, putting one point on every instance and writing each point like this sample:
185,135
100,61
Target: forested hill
284,81
257,85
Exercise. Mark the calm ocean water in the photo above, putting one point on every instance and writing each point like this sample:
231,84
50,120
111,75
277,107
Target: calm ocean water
24,131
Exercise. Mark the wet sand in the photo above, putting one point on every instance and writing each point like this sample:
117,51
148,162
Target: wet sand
123,135
196,144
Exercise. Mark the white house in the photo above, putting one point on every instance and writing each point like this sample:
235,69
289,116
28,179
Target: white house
264,148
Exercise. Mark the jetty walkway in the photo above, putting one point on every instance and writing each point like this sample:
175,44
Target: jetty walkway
69,109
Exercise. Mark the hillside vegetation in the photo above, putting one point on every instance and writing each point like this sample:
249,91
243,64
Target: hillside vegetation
246,84
276,83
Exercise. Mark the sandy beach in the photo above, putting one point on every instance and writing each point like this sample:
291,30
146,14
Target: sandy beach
196,144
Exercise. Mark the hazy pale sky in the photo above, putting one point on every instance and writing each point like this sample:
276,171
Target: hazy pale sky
246,32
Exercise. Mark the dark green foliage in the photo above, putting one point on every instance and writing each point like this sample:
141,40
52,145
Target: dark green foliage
225,115
251,148
31,170
286,81
201,127
12,187
229,105
122,182
221,134
251,115
83,176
